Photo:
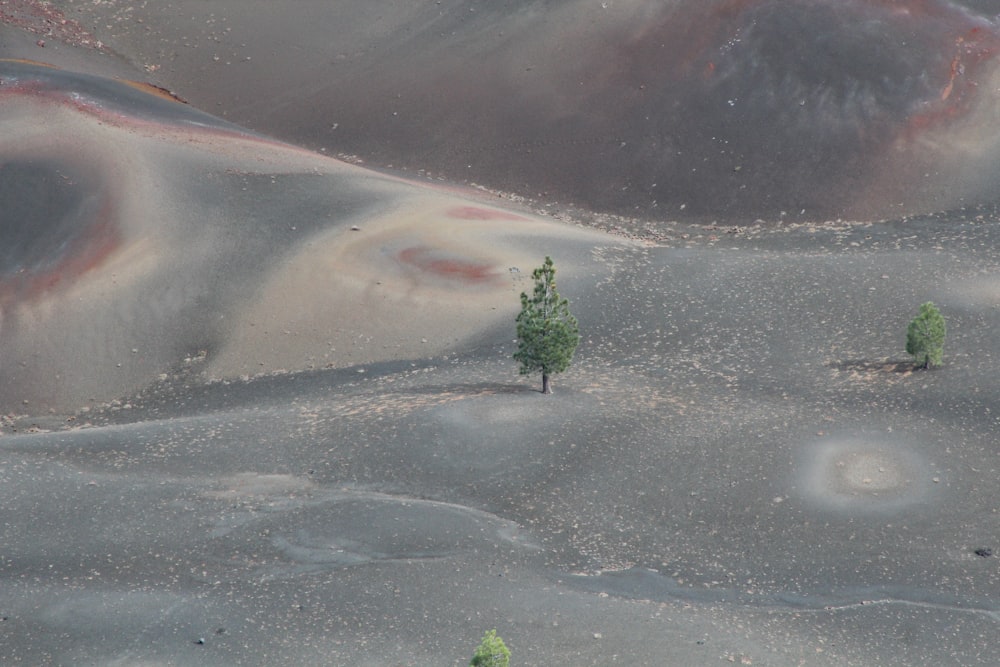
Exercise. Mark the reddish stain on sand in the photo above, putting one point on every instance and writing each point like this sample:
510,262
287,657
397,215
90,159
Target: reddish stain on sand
83,256
156,91
109,110
437,263
973,51
477,213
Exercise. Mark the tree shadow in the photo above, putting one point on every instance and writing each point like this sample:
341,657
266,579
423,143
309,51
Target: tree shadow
873,366
473,388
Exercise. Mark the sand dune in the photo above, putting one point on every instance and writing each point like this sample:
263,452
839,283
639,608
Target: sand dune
156,233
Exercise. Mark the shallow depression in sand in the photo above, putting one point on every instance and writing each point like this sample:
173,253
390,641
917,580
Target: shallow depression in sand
864,474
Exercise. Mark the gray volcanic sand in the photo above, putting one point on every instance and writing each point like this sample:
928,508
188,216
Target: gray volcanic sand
740,467
731,471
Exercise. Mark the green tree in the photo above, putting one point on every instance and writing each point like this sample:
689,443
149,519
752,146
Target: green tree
491,652
925,336
547,334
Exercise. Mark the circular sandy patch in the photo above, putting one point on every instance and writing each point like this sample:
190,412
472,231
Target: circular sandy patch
864,474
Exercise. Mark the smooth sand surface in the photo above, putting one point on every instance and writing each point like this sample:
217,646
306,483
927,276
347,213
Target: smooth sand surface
260,403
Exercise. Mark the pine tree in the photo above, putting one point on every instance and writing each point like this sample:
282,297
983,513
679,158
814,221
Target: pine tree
925,336
547,334
491,652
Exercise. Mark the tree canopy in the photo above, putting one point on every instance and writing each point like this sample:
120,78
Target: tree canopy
547,334
491,652
925,336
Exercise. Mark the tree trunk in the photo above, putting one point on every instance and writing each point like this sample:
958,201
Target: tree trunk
546,387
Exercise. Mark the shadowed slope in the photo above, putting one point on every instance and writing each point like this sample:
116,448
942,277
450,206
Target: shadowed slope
727,109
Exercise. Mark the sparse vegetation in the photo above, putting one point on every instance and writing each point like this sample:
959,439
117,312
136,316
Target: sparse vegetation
547,334
491,652
925,336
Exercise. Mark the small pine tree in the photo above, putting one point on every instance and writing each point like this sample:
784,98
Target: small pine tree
925,336
491,652
547,334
